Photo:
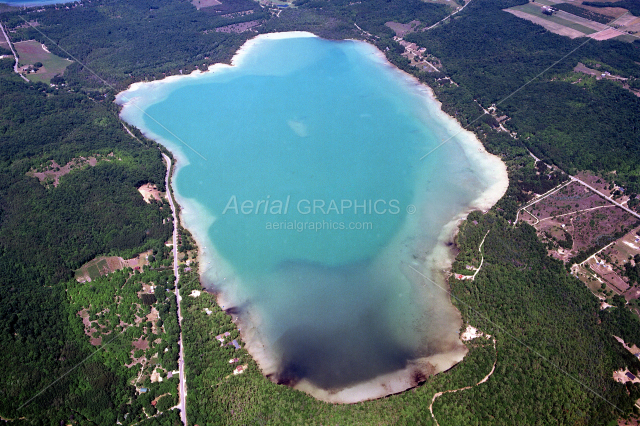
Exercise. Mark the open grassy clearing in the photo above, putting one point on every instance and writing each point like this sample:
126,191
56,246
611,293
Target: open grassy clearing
31,52
533,13
104,265
199,4
4,44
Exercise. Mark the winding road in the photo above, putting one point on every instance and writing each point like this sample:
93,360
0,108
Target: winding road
439,394
182,388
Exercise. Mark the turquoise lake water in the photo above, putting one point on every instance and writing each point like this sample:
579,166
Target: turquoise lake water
31,3
325,140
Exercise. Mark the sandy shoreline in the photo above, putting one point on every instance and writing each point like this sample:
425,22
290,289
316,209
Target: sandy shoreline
215,272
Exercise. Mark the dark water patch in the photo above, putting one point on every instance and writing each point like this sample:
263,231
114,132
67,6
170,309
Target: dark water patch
337,328
338,357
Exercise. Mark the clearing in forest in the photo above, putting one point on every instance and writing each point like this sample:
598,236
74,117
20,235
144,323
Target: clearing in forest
31,52
199,4
104,265
576,20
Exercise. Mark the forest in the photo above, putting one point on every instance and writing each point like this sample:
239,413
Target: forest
554,351
47,232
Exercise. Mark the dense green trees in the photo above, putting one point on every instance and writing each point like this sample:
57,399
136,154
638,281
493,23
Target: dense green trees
47,232
123,42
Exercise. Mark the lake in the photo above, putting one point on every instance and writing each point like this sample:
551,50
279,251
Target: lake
323,185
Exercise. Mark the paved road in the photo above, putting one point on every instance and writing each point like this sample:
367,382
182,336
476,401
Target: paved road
15,66
182,389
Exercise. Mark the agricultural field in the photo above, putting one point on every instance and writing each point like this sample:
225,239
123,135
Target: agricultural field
32,52
575,20
564,25
613,12
4,44
199,4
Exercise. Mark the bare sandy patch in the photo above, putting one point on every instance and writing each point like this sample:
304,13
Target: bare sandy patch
606,34
471,333
150,192
53,172
141,343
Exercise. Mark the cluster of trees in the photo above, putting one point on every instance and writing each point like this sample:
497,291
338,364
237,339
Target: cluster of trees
493,56
338,19
372,15
632,271
554,343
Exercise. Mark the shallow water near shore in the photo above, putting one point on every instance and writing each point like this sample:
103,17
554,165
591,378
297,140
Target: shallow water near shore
302,178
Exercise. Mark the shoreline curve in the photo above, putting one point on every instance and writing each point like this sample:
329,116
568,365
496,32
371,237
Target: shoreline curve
441,258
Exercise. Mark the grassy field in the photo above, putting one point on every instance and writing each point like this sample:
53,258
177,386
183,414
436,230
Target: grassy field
4,44
627,38
31,51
